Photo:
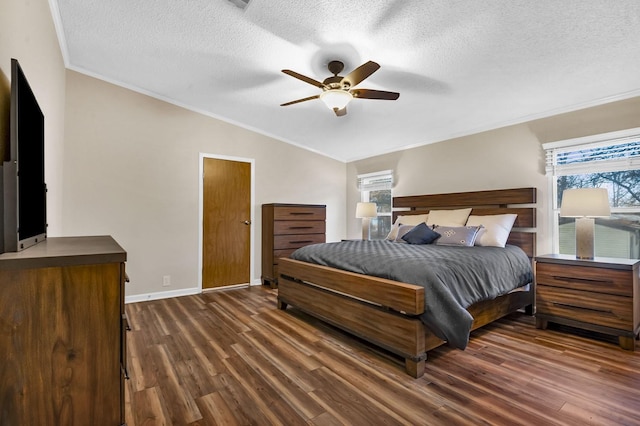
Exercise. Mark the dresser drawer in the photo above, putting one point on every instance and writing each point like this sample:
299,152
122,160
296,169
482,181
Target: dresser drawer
277,254
586,278
594,308
298,213
283,242
282,227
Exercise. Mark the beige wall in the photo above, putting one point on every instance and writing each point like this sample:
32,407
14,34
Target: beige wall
510,157
131,162
27,33
131,171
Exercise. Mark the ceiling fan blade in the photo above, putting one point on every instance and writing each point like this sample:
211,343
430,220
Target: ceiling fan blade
374,94
340,112
360,73
304,78
301,100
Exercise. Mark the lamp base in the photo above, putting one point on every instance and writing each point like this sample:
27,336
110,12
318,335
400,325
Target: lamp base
366,234
584,238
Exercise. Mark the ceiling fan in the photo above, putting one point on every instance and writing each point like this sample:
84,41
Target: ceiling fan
338,91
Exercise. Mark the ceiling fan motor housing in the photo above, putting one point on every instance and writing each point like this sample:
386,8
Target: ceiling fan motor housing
335,82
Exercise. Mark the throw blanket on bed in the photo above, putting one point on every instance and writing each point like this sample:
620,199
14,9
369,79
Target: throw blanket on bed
453,277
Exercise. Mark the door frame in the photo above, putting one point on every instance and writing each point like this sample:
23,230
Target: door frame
251,161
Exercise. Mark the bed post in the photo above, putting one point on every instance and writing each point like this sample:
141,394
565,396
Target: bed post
415,367
281,305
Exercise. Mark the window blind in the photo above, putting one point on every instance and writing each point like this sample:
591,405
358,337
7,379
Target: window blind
612,155
376,181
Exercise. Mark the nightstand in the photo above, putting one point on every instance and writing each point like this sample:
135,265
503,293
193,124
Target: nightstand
600,295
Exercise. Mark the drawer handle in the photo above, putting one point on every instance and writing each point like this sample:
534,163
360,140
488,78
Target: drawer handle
300,213
125,320
582,280
301,242
586,308
300,227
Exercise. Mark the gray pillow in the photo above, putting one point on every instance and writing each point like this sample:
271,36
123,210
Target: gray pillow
457,235
402,230
421,234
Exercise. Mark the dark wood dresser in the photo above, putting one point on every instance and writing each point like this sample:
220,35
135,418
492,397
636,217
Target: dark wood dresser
600,295
285,228
62,333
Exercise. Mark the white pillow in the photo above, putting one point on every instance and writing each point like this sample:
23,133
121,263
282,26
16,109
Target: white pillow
414,219
496,229
448,217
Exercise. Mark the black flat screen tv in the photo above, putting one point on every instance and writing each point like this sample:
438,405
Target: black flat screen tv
25,191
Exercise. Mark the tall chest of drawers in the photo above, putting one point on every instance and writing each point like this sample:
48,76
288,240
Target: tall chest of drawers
600,295
285,228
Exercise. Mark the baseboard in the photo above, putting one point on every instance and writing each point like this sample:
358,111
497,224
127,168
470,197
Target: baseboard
161,295
177,293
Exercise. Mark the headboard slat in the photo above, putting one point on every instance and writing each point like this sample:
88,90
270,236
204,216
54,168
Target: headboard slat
499,197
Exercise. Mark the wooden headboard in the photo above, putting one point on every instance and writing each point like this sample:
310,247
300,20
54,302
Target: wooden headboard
483,203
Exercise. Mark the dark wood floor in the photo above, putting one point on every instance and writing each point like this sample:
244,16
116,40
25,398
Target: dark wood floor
231,358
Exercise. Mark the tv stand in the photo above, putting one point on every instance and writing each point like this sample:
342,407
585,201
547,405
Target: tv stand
62,333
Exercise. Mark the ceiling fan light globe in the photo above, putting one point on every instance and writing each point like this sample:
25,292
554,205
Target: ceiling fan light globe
336,98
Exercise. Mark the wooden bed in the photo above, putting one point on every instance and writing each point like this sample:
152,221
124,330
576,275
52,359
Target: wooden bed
385,312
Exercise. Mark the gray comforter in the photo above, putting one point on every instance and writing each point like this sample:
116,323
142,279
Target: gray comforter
453,277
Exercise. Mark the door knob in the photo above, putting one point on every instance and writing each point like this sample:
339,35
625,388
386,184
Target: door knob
247,222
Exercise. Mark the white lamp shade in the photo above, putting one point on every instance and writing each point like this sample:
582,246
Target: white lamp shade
336,98
585,202
366,210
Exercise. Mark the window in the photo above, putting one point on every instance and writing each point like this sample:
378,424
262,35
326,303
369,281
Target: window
609,161
376,188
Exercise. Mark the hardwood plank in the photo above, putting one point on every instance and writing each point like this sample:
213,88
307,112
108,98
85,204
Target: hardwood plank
266,405
414,406
346,403
215,410
285,367
149,408
192,372
281,383
295,334
297,372
325,419
175,397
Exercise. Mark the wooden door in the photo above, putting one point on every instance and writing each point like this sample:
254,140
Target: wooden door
226,239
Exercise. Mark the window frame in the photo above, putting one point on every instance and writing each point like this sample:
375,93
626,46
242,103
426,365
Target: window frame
376,181
553,170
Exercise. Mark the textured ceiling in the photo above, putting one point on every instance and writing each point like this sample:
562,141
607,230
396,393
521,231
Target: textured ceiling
461,66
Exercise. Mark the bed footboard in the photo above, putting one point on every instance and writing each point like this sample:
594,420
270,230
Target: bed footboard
382,312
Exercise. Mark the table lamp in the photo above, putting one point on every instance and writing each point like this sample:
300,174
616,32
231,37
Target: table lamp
585,204
366,211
